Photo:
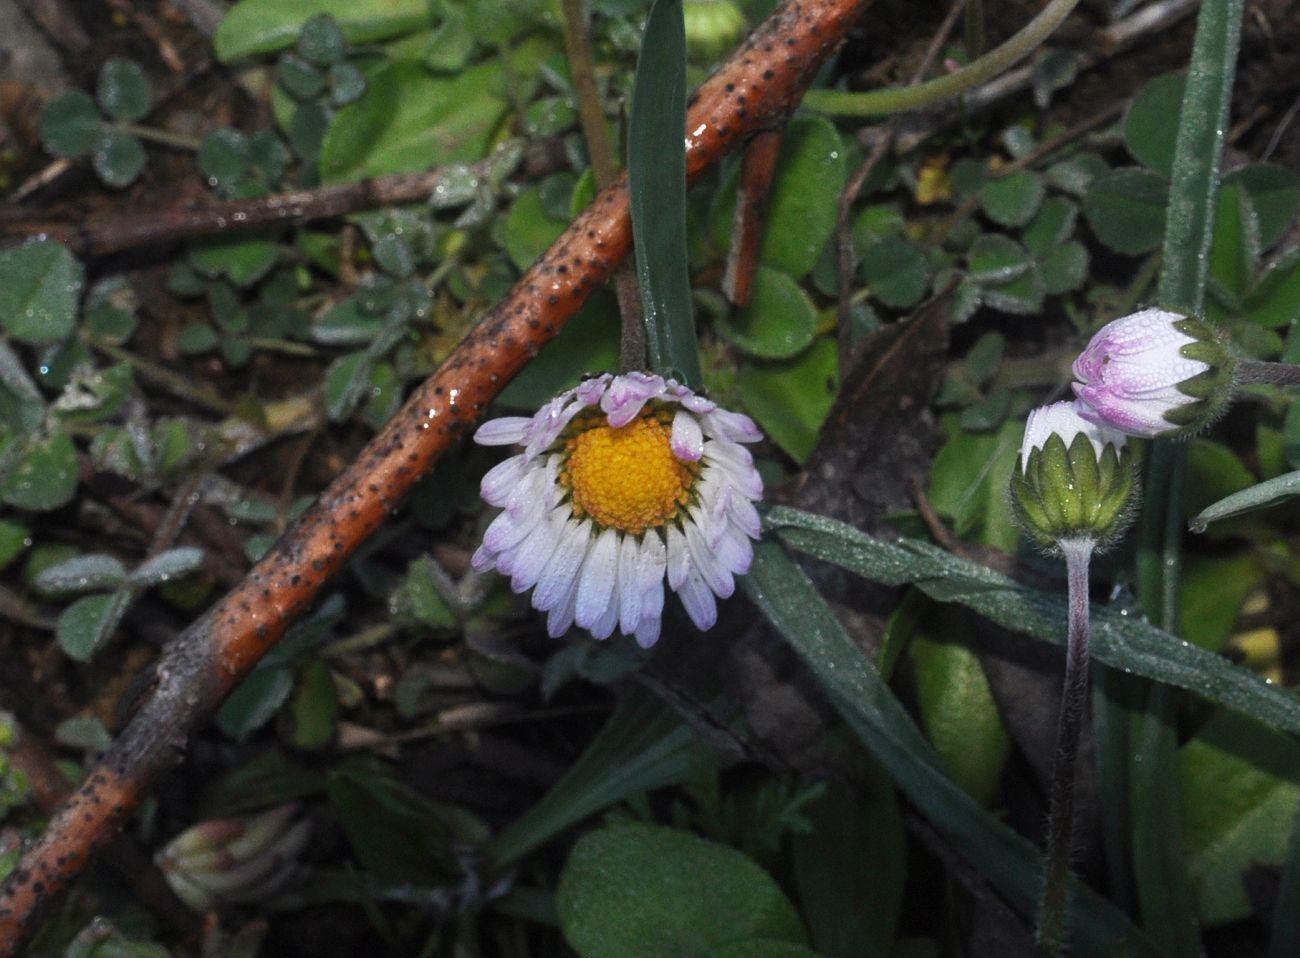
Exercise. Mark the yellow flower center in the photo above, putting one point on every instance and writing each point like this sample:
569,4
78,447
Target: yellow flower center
626,478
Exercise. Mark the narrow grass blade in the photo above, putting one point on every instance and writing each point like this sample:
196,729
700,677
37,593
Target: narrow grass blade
1256,497
1117,640
656,161
1011,864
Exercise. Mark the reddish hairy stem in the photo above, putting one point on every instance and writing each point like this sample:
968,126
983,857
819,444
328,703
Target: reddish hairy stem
756,172
754,90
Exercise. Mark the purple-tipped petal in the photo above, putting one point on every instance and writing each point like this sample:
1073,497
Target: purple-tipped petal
501,480
687,437
628,394
596,583
698,600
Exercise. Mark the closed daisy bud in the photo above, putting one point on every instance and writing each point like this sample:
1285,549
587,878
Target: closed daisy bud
1154,373
623,483
1075,479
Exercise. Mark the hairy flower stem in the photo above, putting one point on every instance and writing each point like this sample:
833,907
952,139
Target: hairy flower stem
1054,909
1254,372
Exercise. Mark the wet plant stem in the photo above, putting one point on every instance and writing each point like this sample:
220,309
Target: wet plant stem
162,137
899,99
1253,372
1054,909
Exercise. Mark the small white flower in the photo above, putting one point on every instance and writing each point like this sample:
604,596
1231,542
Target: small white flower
623,482
1063,419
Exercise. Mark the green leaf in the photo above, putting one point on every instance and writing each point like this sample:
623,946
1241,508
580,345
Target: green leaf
40,284
527,231
1213,589
118,158
856,851
321,42
1214,472
84,732
791,398
410,119
1275,301
1011,864
167,565
957,707
1275,194
1151,123
1258,496
1118,640
314,707
123,91
14,538
86,573
346,382
255,701
396,832
897,272
1126,209
242,261
779,321
70,124
801,209
1013,200
644,891
1241,788
89,622
1064,269
43,473
1050,227
643,746
968,484
263,26
994,258
1234,251
657,190
588,343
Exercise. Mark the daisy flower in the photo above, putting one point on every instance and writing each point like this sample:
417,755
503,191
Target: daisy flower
623,482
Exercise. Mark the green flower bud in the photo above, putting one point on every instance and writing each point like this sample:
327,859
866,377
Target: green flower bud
1075,481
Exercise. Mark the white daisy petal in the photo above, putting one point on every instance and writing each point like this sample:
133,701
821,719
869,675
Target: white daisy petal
735,552
561,571
501,479
629,584
651,561
687,438
745,516
698,601
506,431
706,563
596,582
647,632
679,557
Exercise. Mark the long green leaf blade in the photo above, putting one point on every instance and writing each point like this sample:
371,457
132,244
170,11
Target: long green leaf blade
1117,640
656,165
789,600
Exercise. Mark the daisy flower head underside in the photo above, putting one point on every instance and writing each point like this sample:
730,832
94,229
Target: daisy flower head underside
624,483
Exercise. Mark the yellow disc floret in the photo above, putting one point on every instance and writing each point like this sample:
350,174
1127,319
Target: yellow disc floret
626,478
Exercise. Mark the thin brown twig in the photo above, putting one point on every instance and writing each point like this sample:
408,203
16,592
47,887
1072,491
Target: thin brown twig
767,75
114,233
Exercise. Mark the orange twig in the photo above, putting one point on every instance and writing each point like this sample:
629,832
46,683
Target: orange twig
757,88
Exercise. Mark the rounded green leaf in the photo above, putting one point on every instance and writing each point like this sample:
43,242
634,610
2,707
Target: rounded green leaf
791,398
1013,200
779,321
83,573
1126,209
300,79
1064,269
224,157
764,948
40,284
123,91
69,124
88,623
897,272
1151,123
243,261
1275,299
994,258
643,891
1053,225
321,41
118,158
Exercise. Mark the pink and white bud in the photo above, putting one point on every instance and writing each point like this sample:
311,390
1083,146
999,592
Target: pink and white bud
1153,373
